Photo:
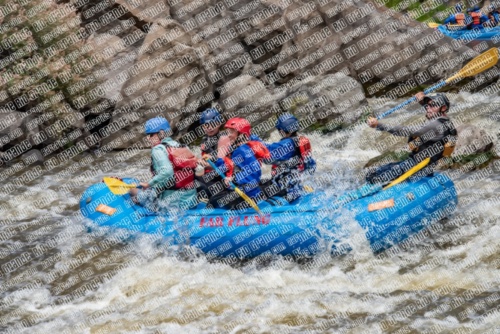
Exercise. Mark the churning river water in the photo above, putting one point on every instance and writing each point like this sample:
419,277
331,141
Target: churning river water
59,278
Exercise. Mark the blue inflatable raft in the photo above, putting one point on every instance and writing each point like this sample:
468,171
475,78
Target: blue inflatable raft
306,228
464,34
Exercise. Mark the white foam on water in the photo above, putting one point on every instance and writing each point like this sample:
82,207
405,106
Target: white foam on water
160,292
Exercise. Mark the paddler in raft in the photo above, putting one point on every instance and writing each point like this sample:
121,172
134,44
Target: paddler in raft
240,160
456,19
291,157
172,166
434,139
493,17
211,121
475,18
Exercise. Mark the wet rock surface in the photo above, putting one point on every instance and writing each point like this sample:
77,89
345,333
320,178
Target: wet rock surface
255,55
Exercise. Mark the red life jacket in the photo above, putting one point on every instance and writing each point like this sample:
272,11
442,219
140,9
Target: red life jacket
460,18
183,162
259,150
476,18
305,149
229,166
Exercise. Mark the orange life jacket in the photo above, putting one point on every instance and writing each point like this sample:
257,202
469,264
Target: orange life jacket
460,18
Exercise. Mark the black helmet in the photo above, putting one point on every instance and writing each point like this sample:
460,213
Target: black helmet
439,98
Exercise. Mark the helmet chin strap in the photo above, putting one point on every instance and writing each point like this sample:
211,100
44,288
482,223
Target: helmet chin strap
241,139
162,135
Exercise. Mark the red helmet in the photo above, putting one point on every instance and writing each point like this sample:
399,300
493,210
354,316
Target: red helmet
239,124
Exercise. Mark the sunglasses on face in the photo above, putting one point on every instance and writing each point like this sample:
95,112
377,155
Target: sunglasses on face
431,104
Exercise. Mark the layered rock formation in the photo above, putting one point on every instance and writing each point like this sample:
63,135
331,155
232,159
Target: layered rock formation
260,57
249,58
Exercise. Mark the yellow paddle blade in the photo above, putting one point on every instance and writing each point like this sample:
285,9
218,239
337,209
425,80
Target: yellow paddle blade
247,199
116,186
409,173
433,24
308,189
477,65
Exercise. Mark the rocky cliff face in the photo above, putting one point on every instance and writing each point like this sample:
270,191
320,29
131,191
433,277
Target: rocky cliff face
255,59
258,58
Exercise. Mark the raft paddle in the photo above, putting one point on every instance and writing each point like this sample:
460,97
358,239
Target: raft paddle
118,187
369,189
409,173
477,65
434,25
238,190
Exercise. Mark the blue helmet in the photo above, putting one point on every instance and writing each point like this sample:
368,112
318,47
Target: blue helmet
155,125
473,9
288,123
211,115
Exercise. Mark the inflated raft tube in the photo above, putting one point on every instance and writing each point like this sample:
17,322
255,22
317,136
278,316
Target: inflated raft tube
306,228
484,34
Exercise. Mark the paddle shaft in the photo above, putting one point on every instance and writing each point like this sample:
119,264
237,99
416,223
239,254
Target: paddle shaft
238,191
369,189
231,184
477,65
413,99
